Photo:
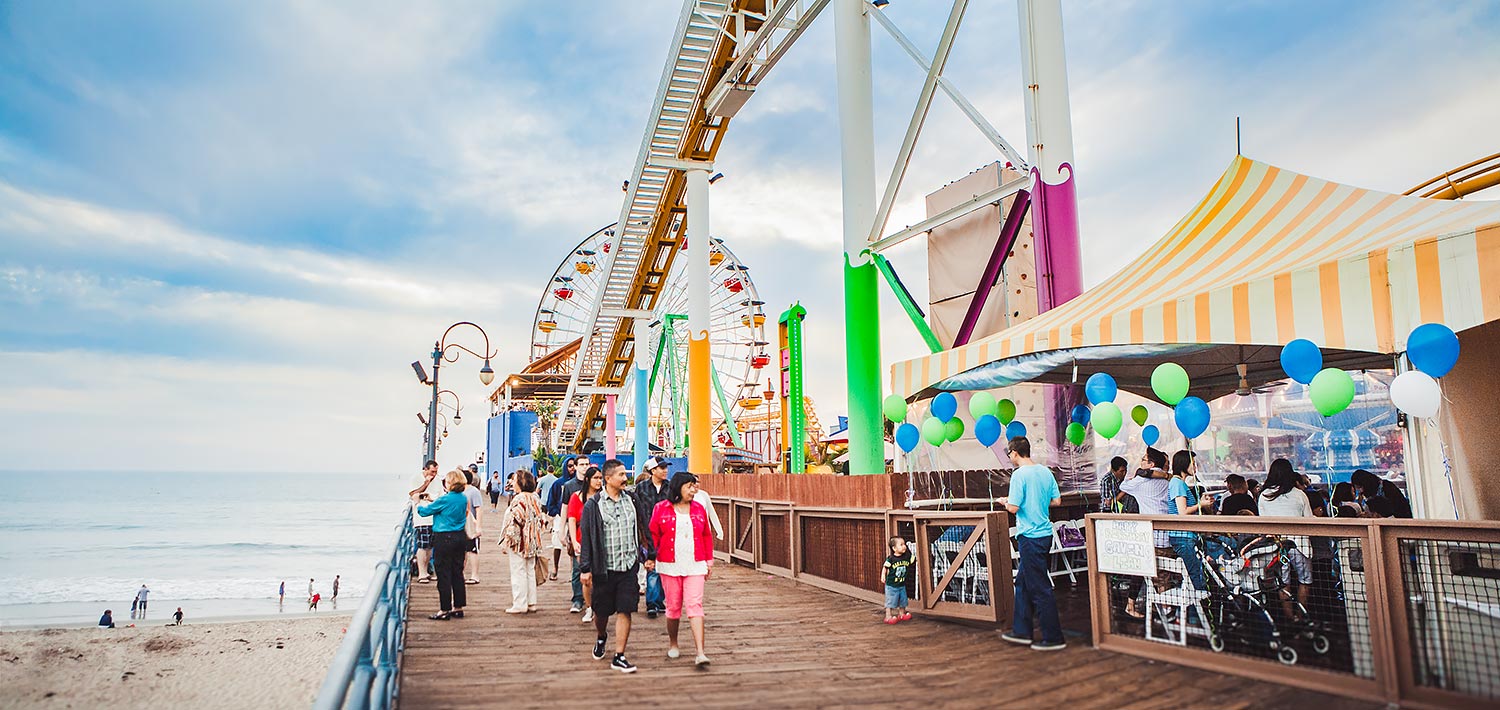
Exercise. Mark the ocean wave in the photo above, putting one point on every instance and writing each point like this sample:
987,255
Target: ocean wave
115,590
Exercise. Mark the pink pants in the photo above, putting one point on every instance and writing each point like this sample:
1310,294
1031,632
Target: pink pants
684,595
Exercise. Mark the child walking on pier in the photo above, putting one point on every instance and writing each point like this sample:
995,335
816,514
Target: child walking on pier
895,569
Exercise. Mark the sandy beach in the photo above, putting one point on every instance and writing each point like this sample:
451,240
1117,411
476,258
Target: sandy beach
256,664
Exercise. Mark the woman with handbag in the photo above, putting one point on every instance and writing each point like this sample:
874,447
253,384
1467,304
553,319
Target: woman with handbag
521,539
449,515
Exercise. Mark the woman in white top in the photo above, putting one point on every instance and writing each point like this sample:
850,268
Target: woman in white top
1283,497
681,536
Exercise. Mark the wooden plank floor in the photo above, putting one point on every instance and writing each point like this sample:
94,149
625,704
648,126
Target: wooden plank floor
777,643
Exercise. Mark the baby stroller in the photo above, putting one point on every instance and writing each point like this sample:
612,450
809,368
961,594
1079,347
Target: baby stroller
1244,579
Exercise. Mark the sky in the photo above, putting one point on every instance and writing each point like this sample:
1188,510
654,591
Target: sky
226,228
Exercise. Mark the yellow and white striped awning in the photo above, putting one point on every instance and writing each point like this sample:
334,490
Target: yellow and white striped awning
1268,256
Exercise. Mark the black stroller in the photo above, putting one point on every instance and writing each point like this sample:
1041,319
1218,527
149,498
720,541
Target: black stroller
1244,581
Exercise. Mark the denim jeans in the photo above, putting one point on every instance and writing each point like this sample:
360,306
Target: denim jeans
577,585
1186,546
1034,591
655,597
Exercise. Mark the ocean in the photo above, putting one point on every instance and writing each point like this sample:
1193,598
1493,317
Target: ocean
216,544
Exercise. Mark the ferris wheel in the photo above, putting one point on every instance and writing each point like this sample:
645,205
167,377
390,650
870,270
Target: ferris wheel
741,362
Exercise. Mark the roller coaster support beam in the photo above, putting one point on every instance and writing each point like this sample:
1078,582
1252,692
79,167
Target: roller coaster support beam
851,32
641,322
700,434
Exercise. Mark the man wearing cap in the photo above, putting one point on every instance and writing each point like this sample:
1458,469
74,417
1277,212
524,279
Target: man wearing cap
647,494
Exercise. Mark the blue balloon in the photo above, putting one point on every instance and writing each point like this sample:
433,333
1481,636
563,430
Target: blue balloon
1432,348
944,406
1150,434
1100,388
908,436
1301,360
1080,414
1015,429
987,430
1192,417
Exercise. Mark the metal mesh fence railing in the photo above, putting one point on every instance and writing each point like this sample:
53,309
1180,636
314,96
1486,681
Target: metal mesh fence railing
1451,591
1295,599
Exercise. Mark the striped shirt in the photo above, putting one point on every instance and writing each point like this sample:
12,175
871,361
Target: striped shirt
621,537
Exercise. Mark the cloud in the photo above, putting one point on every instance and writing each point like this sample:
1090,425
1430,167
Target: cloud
224,231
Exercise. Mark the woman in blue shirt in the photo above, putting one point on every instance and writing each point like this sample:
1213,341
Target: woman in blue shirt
449,544
1181,500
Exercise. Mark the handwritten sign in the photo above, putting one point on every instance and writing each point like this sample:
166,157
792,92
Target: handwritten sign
1125,547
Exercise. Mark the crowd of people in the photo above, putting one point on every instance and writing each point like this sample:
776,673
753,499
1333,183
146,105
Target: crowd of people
1283,493
651,539
1154,488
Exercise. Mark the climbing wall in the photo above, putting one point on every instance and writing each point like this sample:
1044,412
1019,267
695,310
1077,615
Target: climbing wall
956,256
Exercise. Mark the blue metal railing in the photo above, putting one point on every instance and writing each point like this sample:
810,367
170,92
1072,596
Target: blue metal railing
364,672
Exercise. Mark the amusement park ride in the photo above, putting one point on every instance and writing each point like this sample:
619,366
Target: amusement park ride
622,287
745,410
654,314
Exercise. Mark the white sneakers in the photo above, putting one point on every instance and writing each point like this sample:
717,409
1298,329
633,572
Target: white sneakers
588,615
673,652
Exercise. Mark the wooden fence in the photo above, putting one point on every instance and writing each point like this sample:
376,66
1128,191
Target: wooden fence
1398,611
843,549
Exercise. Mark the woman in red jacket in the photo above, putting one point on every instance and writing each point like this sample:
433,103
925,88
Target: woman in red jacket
684,545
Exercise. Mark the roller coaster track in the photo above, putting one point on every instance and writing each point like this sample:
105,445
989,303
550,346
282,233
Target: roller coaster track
720,53
1463,180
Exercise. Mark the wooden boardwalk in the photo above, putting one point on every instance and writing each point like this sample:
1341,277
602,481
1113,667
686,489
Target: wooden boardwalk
777,643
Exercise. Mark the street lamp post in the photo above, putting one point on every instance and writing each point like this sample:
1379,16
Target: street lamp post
442,350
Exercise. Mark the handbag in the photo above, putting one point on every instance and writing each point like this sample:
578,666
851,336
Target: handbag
471,526
540,567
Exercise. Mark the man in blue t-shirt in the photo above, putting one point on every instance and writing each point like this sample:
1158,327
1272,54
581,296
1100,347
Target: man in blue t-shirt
1033,494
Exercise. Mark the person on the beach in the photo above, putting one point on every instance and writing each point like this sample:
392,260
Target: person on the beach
335,595
594,482
281,593
309,588
684,544
448,544
611,552
427,487
140,597
135,605
521,532
895,571
108,620
476,505
1033,494
312,602
177,617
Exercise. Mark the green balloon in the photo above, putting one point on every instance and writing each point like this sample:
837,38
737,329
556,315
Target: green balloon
1005,411
894,408
932,431
981,403
1076,433
1139,414
954,429
1332,390
1170,383
1107,419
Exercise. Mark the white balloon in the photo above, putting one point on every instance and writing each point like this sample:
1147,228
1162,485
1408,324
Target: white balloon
1416,393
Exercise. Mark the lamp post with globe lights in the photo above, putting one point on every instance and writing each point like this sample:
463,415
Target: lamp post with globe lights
444,351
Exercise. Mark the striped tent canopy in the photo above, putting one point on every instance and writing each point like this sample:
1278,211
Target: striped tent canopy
1268,256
